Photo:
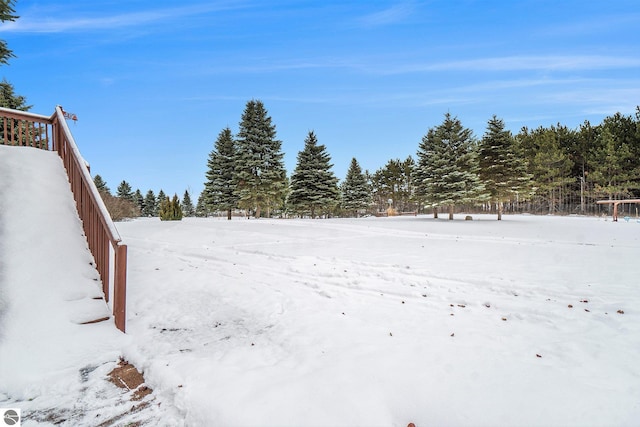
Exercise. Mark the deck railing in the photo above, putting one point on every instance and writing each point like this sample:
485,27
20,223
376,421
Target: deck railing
52,133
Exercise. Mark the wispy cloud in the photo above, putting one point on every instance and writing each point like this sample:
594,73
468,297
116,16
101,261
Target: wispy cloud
387,16
518,63
508,84
602,24
253,65
395,66
599,96
385,66
29,23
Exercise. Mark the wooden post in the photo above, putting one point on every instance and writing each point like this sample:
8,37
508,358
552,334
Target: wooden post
120,287
103,244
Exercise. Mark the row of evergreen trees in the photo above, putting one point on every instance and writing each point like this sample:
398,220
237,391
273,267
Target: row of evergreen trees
247,172
550,170
129,204
554,170
544,170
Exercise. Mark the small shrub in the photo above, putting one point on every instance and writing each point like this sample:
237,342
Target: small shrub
170,210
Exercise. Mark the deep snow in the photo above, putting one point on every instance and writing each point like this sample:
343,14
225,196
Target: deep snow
372,321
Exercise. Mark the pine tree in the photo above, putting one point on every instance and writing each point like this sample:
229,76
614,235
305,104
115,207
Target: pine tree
101,185
426,173
549,164
170,210
201,207
219,190
9,99
150,206
394,182
161,198
356,194
314,187
586,139
187,205
407,188
124,191
139,200
609,172
502,171
623,134
447,169
7,13
260,178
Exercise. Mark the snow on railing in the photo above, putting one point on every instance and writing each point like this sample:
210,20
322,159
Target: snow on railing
52,133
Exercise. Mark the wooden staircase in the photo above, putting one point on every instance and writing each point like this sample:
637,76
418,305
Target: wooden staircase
19,128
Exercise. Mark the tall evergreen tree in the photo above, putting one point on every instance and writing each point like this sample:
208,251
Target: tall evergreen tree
150,206
314,187
624,131
124,191
139,200
201,207
502,170
447,169
161,198
187,205
355,190
612,178
101,185
7,13
260,177
549,163
426,172
219,189
9,99
586,139
394,182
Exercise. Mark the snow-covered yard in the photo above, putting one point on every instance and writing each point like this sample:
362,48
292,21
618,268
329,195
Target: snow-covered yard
354,322
389,321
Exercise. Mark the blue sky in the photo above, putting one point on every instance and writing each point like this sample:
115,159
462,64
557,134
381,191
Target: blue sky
154,82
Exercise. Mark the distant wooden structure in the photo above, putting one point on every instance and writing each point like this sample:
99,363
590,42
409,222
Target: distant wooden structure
615,204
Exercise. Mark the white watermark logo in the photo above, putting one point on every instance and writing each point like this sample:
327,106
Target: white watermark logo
10,417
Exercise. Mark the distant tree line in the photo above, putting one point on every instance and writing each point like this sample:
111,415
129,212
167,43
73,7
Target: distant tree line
127,203
544,170
553,170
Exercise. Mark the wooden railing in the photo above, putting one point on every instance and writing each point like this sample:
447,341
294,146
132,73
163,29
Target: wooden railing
615,204
52,133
